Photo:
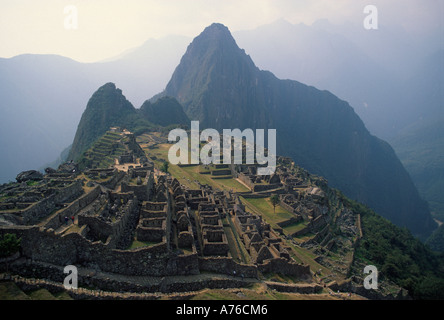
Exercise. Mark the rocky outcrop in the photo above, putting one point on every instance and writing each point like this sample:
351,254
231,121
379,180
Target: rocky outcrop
30,175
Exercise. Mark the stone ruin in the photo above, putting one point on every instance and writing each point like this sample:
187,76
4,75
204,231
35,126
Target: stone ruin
153,220
214,240
259,239
258,183
133,223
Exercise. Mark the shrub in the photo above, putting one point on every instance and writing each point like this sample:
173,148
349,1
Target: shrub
9,244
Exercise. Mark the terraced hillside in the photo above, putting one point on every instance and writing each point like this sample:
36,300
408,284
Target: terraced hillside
104,152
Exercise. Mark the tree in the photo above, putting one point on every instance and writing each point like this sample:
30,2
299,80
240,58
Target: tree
164,167
274,201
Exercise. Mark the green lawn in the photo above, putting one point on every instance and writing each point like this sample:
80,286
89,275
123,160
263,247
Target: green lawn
236,245
139,244
295,227
187,175
264,207
231,184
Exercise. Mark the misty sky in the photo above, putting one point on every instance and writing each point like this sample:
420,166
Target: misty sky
107,28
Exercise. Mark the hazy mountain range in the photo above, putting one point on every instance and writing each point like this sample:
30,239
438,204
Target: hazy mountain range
43,96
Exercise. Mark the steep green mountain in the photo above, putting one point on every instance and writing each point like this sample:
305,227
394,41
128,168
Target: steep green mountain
421,150
218,84
399,257
436,240
107,107
164,112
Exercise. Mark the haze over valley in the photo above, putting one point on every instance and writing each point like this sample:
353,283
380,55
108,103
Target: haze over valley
359,114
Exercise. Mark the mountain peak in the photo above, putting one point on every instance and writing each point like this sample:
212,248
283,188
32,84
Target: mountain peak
216,29
109,85
212,59
215,36
107,107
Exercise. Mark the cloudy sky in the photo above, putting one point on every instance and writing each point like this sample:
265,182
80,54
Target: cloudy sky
106,28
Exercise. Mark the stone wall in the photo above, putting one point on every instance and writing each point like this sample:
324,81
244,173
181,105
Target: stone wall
74,208
283,266
142,192
287,206
304,288
112,289
112,182
34,213
154,222
120,231
73,249
265,187
246,180
151,234
289,222
98,229
226,172
318,223
226,265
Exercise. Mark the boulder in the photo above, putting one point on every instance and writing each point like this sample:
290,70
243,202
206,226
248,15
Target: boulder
29,175
50,170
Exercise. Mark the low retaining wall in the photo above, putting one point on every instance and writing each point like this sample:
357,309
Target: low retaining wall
308,288
285,267
45,245
225,265
289,222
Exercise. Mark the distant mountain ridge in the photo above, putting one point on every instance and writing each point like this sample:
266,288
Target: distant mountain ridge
44,95
219,85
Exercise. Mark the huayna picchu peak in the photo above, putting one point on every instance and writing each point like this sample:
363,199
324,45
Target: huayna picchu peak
135,225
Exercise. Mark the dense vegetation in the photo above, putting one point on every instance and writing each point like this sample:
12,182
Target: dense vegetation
436,240
398,255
